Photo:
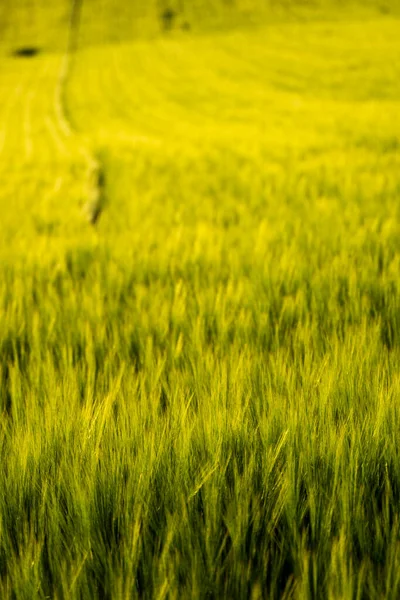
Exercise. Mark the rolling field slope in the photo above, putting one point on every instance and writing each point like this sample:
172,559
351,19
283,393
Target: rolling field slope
43,165
199,394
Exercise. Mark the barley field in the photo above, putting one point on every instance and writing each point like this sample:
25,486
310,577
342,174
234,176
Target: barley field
200,301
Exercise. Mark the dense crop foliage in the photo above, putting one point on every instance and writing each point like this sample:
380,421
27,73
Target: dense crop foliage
46,23
199,395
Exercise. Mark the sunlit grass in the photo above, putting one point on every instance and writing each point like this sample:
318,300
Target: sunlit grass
199,395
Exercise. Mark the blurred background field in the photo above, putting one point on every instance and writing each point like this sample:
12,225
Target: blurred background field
199,393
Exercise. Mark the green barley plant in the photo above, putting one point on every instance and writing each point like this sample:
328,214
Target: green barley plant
199,392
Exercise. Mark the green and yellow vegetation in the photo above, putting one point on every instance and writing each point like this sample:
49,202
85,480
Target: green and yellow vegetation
199,395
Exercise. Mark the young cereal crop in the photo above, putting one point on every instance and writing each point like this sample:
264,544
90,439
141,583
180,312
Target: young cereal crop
199,393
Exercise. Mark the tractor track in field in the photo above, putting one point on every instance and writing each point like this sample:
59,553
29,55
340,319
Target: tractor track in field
36,132
94,171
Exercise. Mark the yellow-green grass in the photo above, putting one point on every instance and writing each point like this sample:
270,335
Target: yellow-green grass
45,24
200,395
42,163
